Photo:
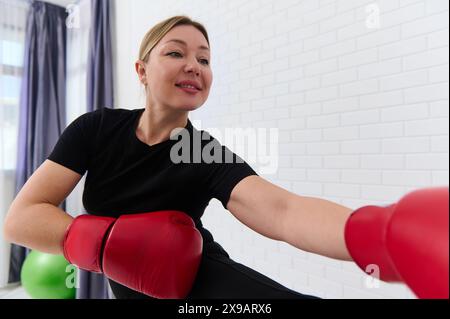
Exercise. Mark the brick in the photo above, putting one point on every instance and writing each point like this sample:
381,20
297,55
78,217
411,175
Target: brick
326,176
307,161
427,161
323,121
353,31
427,93
292,149
307,136
378,69
303,58
338,49
400,178
336,22
381,99
341,161
299,34
320,283
440,178
381,130
289,49
406,145
438,38
340,105
342,190
358,58
292,174
289,75
360,117
404,80
319,41
436,6
262,81
291,124
321,94
321,67
439,144
361,147
339,77
276,89
359,88
404,113
378,38
403,48
276,113
322,148
341,133
438,74
427,127
382,161
306,110
360,177
426,59
403,15
291,99
308,189
318,15
262,104
305,84
382,192
439,109
425,25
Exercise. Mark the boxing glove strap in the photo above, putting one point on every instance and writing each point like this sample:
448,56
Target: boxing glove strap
365,237
84,241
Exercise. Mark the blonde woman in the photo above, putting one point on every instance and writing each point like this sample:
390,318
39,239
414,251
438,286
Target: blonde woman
144,229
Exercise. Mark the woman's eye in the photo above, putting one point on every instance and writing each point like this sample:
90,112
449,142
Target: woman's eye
174,53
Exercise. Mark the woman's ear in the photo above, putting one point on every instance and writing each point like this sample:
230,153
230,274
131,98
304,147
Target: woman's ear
140,70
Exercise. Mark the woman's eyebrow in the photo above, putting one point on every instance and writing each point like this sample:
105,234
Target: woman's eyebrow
202,47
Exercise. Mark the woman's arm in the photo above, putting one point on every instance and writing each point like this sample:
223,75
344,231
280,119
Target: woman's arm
34,219
310,224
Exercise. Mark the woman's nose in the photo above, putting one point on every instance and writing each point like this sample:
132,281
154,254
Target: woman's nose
192,66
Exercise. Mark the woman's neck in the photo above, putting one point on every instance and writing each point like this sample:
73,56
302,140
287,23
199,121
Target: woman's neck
155,127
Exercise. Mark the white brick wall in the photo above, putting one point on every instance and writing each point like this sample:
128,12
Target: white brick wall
362,112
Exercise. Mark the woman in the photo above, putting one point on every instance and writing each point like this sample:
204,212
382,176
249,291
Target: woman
127,156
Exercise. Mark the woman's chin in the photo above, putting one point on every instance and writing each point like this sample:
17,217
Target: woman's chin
188,108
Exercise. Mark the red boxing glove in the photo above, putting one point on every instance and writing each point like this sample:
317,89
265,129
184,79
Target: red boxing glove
408,241
155,253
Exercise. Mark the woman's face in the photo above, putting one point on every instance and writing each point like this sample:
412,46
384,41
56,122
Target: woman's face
181,55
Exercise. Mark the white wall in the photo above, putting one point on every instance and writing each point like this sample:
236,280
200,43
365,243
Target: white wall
362,112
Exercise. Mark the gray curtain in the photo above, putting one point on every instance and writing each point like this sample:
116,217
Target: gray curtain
99,95
42,100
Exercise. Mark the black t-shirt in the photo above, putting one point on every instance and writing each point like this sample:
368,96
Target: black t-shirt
127,176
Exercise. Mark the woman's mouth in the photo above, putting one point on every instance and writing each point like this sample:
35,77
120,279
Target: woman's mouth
188,89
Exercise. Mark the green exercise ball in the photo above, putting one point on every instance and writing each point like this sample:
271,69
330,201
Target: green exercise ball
46,276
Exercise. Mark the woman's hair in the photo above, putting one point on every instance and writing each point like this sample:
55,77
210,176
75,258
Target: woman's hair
155,34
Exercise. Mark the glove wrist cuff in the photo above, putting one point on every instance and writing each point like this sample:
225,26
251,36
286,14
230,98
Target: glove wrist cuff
365,237
84,240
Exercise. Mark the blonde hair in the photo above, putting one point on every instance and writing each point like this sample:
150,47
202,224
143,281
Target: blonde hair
155,34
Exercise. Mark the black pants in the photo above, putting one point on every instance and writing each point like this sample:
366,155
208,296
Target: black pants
219,277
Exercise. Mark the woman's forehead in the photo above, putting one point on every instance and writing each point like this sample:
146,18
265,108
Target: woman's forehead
185,36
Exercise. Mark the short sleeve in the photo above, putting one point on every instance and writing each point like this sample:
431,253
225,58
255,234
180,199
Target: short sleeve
223,177
74,147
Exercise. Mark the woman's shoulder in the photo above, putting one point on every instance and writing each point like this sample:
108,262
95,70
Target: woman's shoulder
114,112
109,114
